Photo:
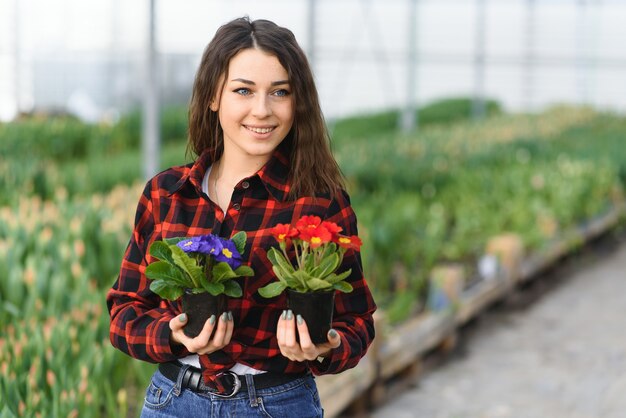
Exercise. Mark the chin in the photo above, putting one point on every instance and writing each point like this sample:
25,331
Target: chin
263,149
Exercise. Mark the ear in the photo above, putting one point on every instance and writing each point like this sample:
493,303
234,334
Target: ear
214,106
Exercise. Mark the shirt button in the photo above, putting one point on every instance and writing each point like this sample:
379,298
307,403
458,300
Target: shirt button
245,184
236,206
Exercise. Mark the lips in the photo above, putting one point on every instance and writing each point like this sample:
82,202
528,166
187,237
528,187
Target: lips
260,130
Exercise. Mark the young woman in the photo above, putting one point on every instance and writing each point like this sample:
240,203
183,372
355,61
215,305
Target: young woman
263,158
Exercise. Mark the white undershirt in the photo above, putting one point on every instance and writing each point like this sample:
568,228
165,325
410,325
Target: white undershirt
194,359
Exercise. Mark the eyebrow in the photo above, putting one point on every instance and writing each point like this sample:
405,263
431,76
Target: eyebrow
252,83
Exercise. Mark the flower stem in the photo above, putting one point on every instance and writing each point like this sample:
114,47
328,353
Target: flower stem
342,251
318,254
295,246
305,252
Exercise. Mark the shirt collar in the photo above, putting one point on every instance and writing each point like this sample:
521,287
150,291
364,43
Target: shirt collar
273,175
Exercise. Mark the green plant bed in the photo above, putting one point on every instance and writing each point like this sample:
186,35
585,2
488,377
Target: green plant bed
57,258
86,158
96,174
438,112
422,199
432,198
65,138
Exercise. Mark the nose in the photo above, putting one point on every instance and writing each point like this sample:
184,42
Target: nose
262,107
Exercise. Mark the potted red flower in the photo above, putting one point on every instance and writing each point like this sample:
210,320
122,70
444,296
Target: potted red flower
311,279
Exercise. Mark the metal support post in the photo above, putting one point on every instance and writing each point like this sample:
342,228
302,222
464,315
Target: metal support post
409,118
150,125
478,104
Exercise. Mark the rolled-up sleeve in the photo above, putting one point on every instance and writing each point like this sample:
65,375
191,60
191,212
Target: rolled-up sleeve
139,318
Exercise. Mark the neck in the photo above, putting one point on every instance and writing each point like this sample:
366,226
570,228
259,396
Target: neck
234,168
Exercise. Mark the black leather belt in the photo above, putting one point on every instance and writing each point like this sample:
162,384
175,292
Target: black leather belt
192,379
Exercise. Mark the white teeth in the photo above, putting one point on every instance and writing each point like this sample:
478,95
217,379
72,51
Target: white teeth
259,130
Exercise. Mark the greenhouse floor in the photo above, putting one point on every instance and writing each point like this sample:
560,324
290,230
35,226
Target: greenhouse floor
555,350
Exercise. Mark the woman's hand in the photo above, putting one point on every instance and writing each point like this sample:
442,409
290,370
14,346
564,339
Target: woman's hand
202,344
305,349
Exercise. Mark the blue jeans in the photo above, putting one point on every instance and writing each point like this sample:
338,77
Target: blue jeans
298,398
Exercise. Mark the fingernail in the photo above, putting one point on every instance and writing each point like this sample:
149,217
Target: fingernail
299,319
332,333
212,320
230,316
283,315
182,318
224,317
289,315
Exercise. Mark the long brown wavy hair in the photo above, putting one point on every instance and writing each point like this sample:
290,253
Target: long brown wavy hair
313,168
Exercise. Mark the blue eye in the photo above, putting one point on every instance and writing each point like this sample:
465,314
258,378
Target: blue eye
281,93
243,91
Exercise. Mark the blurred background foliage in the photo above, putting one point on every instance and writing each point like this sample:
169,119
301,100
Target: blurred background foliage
68,191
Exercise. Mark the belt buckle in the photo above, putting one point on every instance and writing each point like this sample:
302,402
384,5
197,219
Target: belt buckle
236,385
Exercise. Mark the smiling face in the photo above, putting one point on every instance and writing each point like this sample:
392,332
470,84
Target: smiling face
255,107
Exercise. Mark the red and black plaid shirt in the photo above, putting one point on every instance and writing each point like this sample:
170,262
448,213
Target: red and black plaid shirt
173,204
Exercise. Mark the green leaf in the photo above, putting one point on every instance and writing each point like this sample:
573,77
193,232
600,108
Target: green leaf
334,278
174,241
162,270
271,255
331,248
162,251
302,278
244,270
278,259
327,266
280,274
318,284
272,290
239,239
288,279
344,287
213,287
12,309
309,261
165,290
222,271
187,264
232,289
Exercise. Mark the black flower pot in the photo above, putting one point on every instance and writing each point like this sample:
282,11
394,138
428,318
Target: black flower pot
316,308
199,307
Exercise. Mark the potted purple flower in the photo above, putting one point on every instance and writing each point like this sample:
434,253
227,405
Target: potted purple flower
200,270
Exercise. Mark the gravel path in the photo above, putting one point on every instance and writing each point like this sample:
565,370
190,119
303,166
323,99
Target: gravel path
563,356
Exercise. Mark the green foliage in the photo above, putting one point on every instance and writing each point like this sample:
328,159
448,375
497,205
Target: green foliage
443,193
178,271
432,196
275,288
57,259
314,270
365,125
126,133
42,153
454,109
444,111
59,138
